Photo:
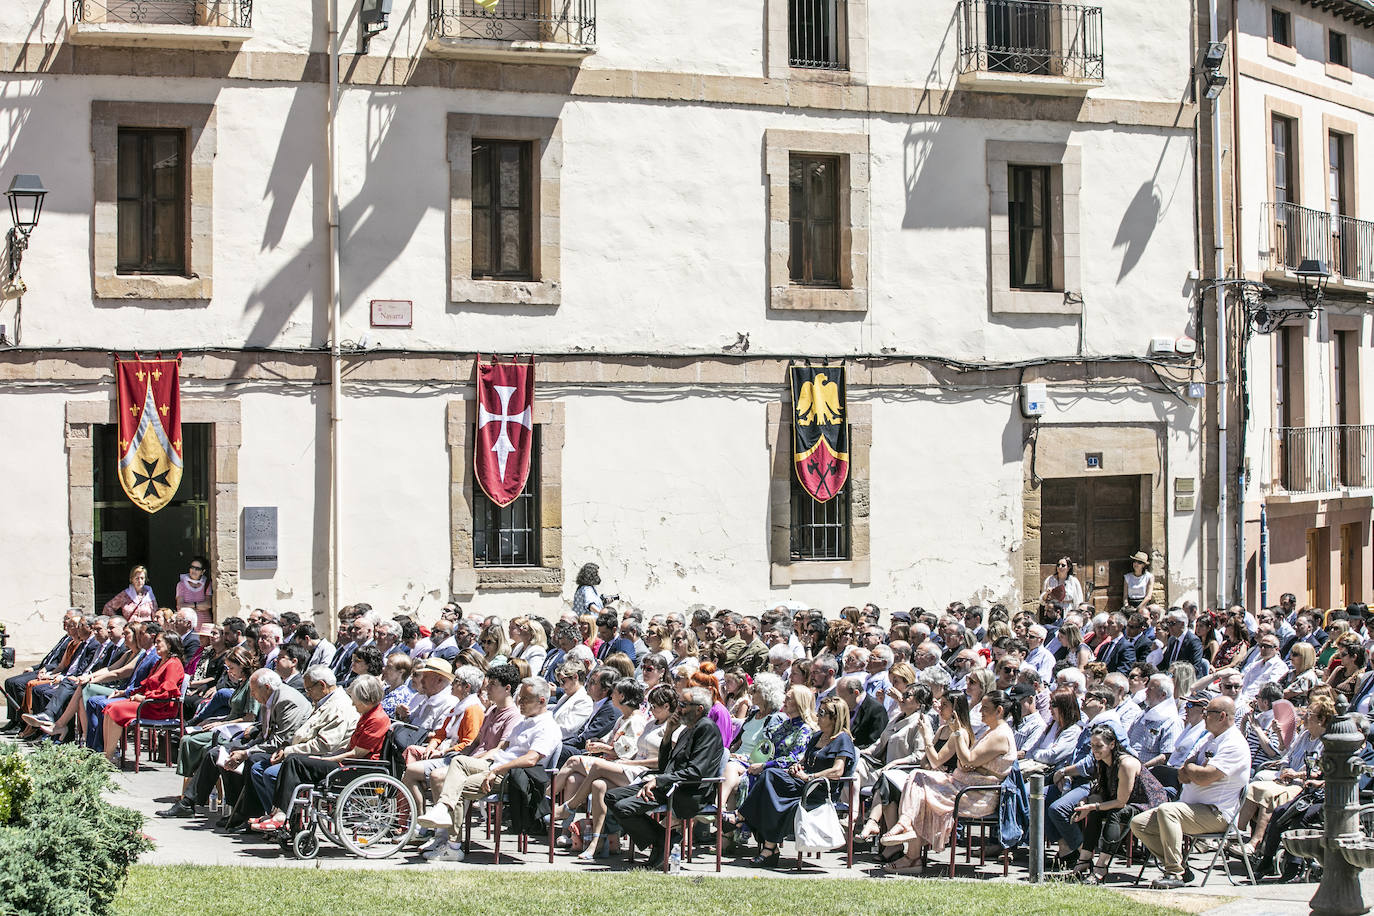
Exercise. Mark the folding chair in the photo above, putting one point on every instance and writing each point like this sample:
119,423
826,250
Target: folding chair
155,727
1231,832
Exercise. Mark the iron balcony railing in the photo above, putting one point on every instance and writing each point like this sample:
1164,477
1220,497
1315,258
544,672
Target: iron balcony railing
1030,37
818,34
234,14
1316,459
571,22
1343,243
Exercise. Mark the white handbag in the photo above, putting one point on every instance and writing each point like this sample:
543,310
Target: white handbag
818,830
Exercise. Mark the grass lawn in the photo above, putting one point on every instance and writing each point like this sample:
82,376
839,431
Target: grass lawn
206,891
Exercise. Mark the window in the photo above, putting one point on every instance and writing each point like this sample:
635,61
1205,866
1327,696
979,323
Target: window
818,186
501,208
813,204
152,201
1034,214
820,531
1018,36
1028,224
1280,27
1287,224
1337,49
1284,186
1337,174
504,217
817,34
1340,347
508,536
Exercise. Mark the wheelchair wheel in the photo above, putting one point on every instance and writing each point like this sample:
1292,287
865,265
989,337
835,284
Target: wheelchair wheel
374,816
305,844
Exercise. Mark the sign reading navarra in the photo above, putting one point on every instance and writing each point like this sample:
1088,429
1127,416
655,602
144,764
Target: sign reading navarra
149,399
820,430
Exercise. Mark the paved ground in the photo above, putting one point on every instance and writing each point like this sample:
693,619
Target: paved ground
195,841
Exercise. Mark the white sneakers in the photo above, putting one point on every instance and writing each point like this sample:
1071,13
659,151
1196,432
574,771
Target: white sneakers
445,852
439,839
439,817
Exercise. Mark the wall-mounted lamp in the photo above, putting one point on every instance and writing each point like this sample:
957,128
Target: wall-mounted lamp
373,18
1214,81
1312,276
26,193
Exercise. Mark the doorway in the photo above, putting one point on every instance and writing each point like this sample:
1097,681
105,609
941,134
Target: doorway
1095,521
1352,541
164,541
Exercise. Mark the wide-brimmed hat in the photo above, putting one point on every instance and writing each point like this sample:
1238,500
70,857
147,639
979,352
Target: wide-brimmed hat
437,665
1140,556
206,629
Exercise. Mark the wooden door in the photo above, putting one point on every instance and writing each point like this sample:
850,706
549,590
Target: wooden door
1351,542
1096,522
1313,545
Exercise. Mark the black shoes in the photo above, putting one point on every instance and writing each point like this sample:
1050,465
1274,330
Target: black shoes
179,809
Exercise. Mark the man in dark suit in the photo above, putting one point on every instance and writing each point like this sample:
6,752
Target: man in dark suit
50,700
684,763
1183,644
1119,652
608,631
867,717
565,636
292,661
1304,630
1140,635
603,718
51,663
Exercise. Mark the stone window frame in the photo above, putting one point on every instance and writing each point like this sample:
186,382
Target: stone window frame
1292,111
1350,131
778,55
1334,70
466,577
1287,53
198,120
226,417
546,287
1066,178
783,570
852,149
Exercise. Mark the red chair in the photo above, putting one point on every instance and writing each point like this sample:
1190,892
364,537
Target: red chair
156,726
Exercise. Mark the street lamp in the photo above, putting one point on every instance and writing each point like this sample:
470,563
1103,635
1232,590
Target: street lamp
26,193
1312,275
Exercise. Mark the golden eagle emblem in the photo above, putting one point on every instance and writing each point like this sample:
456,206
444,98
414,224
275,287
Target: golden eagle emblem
818,401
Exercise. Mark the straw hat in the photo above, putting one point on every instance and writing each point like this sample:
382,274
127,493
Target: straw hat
1140,557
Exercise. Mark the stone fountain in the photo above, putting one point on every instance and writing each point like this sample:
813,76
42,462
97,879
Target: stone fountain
1343,850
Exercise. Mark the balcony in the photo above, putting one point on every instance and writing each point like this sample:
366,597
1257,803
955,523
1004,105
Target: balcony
1029,46
1324,459
162,23
527,31
1344,244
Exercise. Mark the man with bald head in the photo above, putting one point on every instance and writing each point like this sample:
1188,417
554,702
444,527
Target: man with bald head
1211,780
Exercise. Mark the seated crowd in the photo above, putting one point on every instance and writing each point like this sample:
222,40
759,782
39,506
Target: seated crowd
1162,724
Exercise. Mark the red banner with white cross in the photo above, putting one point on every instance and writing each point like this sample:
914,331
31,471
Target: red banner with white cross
505,429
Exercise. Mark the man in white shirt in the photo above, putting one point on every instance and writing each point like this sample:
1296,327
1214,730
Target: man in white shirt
432,679
534,740
1212,779
1126,709
1040,658
1156,732
1269,668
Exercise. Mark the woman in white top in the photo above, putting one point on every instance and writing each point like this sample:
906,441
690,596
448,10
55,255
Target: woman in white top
629,755
1056,744
1062,588
576,706
1140,582
903,740
529,642
684,650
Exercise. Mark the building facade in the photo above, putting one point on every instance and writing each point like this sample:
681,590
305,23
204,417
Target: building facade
958,201
1302,96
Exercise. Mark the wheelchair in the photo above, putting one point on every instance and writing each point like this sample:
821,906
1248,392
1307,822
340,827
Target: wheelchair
361,806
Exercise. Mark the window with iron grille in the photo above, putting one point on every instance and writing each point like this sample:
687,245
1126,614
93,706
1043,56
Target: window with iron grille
151,201
1030,226
814,187
820,531
502,204
817,34
508,536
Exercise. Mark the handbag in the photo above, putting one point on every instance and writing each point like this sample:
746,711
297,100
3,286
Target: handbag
819,829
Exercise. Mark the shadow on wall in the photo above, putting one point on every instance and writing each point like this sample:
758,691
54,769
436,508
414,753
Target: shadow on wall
931,203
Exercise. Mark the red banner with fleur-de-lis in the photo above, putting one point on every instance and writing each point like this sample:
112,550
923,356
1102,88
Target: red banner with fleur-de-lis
149,397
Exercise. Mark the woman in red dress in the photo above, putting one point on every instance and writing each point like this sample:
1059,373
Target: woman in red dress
163,684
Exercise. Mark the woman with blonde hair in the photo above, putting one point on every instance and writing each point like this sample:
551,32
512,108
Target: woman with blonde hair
1185,676
1071,646
493,643
528,641
136,604
1334,631
587,624
771,806
1304,675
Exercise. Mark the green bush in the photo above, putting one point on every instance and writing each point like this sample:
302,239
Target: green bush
64,848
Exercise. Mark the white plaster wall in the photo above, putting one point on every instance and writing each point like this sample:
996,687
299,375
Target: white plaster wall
283,462
1309,38
394,523
34,541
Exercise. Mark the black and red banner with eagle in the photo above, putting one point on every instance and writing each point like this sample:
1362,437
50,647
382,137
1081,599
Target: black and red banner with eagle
505,429
820,430
149,399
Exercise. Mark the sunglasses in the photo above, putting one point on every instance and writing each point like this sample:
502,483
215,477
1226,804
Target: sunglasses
197,569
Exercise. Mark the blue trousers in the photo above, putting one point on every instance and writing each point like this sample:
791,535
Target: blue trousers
95,716
217,705
264,780
1059,812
